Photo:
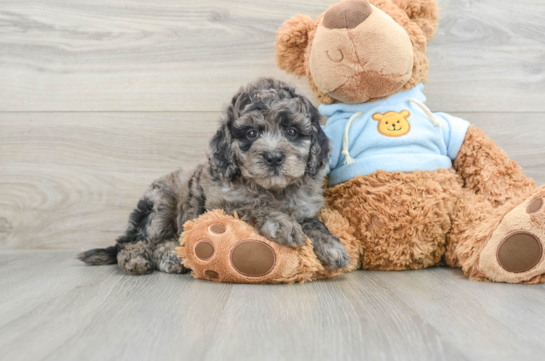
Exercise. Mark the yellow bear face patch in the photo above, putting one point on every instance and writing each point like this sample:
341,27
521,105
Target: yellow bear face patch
393,124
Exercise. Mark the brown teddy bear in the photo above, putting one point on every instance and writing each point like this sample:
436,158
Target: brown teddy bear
408,187
410,211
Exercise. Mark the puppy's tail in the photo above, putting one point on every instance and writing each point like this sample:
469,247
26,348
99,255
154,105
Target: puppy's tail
99,256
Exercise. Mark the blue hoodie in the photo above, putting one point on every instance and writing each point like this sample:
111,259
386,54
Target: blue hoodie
393,134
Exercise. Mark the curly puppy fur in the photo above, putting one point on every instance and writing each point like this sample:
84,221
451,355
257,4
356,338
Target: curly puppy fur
266,162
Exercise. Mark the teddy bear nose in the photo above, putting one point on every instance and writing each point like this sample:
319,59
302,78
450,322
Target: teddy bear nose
347,15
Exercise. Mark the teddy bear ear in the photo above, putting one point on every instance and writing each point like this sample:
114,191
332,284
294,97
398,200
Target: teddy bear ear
425,13
291,42
378,116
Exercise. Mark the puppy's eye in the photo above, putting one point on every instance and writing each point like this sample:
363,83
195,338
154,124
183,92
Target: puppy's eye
252,134
292,132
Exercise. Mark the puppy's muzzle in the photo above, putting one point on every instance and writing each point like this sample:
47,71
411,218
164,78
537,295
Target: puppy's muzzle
274,159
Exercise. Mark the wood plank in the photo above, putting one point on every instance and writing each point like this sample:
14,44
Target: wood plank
170,55
72,312
488,56
475,317
73,178
70,180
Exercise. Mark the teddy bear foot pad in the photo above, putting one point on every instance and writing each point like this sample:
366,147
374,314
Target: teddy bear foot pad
247,257
515,252
221,248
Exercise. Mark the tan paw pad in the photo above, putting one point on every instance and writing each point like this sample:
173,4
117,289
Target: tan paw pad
519,252
252,258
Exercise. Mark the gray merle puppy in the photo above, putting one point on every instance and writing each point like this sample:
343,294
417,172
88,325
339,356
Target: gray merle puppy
267,161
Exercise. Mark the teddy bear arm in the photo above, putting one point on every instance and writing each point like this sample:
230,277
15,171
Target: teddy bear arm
486,169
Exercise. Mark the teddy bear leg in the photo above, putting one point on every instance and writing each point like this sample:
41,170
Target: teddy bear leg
400,219
487,170
500,244
221,248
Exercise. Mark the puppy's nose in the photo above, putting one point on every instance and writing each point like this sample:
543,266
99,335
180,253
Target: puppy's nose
347,15
274,159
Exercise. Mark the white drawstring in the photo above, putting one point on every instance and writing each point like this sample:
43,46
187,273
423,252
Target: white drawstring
427,111
349,159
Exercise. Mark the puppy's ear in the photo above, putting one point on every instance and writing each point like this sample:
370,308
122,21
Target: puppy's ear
320,147
291,42
425,13
222,158
221,155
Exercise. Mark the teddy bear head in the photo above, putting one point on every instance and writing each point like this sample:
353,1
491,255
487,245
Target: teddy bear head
359,50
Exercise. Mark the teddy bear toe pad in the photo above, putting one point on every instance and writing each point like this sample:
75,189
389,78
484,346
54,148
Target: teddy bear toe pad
217,228
211,274
204,250
515,252
535,206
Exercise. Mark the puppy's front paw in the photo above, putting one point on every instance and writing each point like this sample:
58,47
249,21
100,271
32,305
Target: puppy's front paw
284,231
166,259
330,251
172,264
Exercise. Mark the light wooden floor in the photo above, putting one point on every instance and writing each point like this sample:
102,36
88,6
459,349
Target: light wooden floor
54,308
98,98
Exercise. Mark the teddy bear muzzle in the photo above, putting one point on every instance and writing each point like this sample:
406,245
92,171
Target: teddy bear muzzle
347,15
351,58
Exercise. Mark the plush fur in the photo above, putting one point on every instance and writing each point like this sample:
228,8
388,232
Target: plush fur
415,220
266,162
295,42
